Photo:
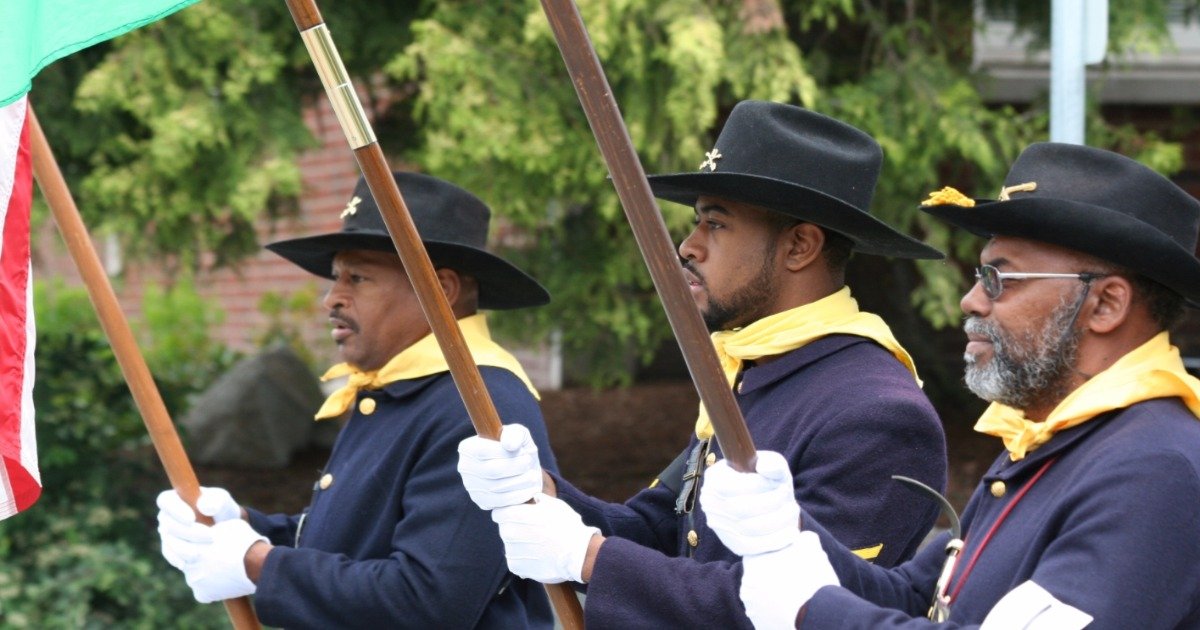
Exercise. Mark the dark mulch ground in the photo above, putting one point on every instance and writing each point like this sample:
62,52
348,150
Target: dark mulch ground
609,443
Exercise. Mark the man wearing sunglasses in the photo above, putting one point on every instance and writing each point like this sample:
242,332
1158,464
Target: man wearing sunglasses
1092,514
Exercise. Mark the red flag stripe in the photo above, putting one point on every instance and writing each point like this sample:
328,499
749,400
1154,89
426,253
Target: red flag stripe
20,482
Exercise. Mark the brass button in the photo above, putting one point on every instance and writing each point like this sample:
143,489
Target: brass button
998,489
711,459
326,481
366,406
693,539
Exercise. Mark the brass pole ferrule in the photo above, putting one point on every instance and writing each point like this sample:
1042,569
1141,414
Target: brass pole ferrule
346,105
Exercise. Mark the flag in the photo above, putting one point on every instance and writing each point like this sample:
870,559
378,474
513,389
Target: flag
35,33
20,483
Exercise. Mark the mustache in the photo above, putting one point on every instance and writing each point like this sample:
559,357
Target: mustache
691,268
978,326
339,316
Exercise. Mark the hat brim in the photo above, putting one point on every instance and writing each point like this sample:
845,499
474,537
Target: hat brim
870,235
1094,230
502,285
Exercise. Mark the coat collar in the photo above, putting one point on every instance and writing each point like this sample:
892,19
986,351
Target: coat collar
759,376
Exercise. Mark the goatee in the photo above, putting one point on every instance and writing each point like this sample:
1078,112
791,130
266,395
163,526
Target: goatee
1025,370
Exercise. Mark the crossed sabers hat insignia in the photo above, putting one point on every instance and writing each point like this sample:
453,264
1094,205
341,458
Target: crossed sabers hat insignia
351,208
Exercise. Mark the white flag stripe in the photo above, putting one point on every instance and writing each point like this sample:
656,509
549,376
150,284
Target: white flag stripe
29,455
12,119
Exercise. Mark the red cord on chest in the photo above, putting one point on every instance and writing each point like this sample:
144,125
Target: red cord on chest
996,525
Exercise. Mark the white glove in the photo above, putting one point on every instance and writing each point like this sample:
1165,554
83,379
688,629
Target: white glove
776,584
177,527
215,503
182,538
500,473
752,513
544,541
218,571
218,504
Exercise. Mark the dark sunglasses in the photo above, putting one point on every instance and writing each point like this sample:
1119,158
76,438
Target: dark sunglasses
992,279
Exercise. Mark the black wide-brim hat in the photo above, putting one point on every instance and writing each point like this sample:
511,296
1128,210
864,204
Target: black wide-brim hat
799,163
1096,202
453,225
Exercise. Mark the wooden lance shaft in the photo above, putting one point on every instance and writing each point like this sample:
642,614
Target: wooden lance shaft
378,174
120,336
649,230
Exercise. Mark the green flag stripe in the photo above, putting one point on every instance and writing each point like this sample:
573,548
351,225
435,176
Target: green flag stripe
36,33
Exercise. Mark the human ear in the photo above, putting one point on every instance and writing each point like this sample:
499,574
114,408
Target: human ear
1114,301
803,245
451,283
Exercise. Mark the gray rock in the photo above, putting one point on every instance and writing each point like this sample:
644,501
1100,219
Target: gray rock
257,414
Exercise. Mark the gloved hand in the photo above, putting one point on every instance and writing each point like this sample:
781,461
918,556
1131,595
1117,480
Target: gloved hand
177,526
218,504
544,541
777,583
752,513
212,502
503,472
217,569
182,538
756,516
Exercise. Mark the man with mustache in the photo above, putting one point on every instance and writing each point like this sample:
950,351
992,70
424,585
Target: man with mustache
390,539
1092,514
780,203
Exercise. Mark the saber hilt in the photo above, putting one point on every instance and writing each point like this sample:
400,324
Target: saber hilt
939,610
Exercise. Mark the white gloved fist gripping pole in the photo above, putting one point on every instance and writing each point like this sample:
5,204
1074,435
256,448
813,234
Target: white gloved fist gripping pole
177,527
211,558
182,538
499,473
756,516
215,503
544,541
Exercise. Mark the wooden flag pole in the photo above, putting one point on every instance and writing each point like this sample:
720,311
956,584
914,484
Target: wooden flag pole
361,136
649,230
120,336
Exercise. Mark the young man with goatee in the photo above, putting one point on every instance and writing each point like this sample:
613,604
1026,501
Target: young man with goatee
781,202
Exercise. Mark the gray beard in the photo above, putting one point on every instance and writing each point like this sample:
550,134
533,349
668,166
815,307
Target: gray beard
1031,369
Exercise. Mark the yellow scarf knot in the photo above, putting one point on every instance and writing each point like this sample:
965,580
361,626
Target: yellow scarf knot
423,358
836,314
1152,370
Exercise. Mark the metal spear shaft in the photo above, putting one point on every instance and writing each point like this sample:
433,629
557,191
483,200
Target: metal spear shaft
371,160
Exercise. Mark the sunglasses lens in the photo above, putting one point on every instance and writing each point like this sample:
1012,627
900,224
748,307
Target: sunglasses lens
989,277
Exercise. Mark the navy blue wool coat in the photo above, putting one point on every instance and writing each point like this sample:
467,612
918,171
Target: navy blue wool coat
1112,528
394,541
846,415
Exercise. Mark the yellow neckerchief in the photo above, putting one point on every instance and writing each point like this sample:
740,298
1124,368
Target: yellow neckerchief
836,314
423,358
1153,370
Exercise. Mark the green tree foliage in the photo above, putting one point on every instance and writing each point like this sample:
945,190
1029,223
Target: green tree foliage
898,70
183,133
